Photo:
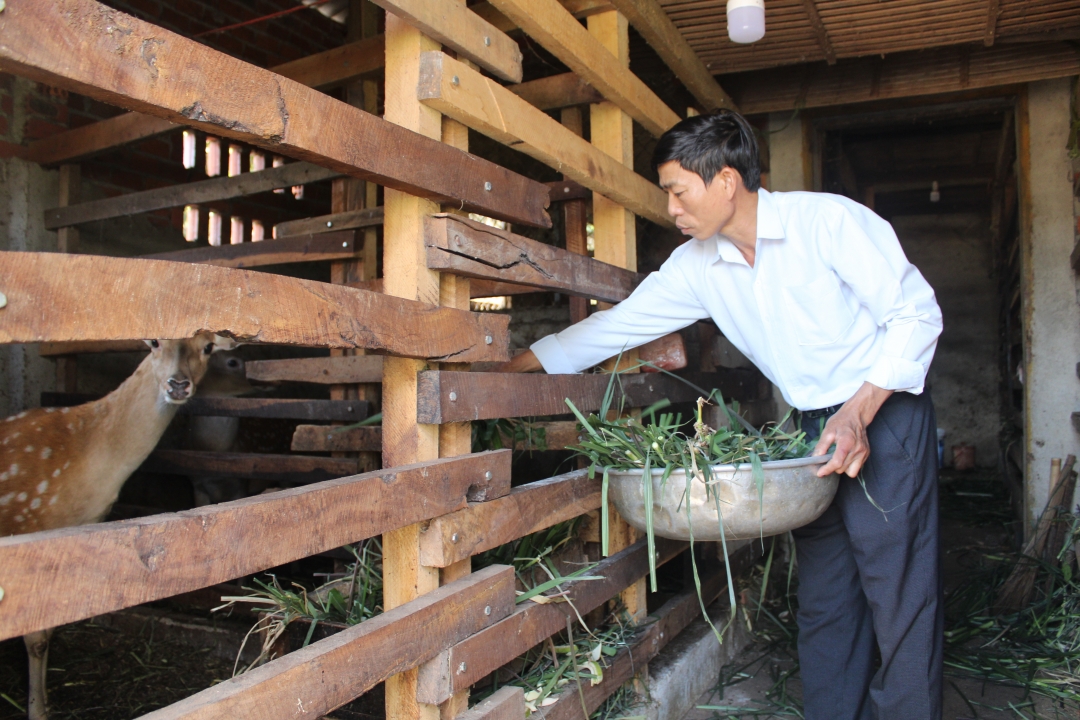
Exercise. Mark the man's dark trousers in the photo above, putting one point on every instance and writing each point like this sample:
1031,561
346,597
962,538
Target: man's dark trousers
866,577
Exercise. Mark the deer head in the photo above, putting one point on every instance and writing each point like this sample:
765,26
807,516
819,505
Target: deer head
179,365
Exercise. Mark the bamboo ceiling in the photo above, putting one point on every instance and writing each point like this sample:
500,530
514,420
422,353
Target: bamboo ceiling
858,28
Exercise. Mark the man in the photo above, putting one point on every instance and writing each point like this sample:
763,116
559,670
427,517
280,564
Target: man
816,291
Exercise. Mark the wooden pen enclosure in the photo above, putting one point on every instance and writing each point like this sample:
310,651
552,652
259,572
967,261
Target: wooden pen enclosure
405,259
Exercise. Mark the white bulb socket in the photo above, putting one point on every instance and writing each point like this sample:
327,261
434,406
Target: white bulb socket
746,20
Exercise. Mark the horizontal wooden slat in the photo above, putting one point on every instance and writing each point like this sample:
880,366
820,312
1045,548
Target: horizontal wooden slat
326,68
350,220
472,249
280,408
527,509
562,190
506,703
289,470
156,557
473,658
322,370
312,681
79,44
300,248
563,36
59,297
464,32
325,438
448,396
495,111
52,349
214,189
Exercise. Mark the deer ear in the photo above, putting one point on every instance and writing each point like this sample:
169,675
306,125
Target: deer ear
222,343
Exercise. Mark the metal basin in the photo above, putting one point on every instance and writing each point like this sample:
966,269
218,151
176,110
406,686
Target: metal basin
793,496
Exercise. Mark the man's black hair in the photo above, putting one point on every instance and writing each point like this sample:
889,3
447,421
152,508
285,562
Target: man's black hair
706,144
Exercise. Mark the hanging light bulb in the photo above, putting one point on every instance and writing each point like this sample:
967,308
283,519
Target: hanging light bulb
746,20
935,194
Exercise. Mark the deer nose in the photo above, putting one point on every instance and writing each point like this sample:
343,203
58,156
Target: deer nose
179,389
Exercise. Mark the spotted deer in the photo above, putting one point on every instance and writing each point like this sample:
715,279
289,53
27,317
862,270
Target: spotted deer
65,466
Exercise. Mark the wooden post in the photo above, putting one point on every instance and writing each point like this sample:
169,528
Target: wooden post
575,219
354,194
405,274
615,231
67,241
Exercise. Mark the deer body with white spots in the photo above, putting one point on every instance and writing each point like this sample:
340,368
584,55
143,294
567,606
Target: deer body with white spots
65,466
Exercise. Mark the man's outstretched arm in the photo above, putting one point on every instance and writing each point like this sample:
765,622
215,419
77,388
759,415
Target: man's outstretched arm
523,363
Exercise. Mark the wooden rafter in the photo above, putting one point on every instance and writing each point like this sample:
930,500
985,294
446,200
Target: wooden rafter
562,35
993,12
820,31
649,19
230,98
901,75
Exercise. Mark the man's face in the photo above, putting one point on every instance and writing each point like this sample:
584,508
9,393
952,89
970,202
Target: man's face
700,211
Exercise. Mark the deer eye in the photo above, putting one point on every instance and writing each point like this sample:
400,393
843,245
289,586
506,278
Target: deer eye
209,348
155,344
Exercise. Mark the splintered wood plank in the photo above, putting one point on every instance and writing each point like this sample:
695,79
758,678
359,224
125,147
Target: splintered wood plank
471,659
465,247
280,408
203,191
453,396
288,469
322,370
103,298
349,220
557,91
312,681
527,509
326,68
463,31
300,248
495,111
649,19
549,23
86,47
156,557
327,438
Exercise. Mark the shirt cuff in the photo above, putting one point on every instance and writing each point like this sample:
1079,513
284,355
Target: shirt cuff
890,373
552,356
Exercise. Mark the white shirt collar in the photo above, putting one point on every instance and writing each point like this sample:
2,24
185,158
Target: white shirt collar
769,227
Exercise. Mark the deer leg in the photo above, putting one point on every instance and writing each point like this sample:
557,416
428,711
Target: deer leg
37,647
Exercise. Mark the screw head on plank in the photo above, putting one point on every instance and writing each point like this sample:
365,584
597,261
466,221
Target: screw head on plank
461,668
344,244
453,396
455,80
487,475
487,609
3,297
454,538
487,41
329,223
487,186
487,339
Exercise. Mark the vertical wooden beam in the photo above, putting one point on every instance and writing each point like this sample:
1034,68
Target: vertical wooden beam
1027,278
455,438
615,229
575,219
405,274
67,241
354,194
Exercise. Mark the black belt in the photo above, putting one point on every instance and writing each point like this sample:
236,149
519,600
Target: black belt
821,412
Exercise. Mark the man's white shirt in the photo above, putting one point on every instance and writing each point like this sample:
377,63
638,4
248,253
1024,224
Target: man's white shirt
831,302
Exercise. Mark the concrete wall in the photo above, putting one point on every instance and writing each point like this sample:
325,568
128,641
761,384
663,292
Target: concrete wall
25,191
1049,287
953,254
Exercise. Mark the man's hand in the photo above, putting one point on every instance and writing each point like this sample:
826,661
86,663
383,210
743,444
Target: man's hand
525,362
847,430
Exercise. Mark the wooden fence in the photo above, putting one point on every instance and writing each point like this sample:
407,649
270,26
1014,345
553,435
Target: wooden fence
436,504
